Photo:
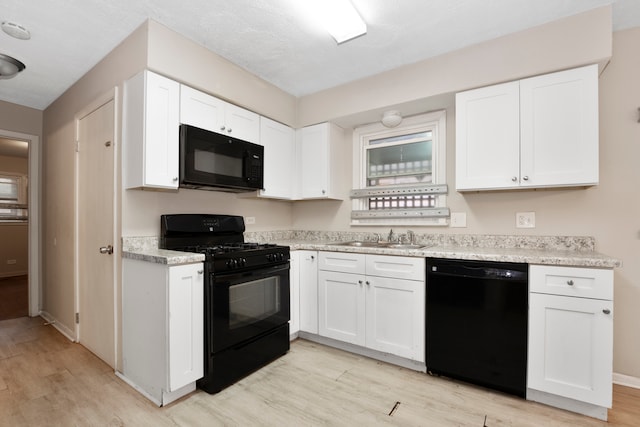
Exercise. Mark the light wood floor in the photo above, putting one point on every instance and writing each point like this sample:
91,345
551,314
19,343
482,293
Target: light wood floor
47,381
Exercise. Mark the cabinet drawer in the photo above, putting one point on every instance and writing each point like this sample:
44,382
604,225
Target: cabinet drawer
395,267
571,281
341,261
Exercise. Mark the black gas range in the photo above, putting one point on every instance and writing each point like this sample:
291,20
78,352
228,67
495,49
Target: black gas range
246,307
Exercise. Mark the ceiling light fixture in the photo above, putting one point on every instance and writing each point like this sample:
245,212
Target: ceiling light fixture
341,19
9,66
391,118
16,30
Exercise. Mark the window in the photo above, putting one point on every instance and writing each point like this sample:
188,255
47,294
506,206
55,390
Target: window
400,173
13,197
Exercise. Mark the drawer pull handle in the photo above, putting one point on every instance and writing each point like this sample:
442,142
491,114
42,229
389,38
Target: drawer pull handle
570,282
606,311
360,282
368,283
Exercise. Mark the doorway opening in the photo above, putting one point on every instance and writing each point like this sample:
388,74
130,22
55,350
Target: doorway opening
19,225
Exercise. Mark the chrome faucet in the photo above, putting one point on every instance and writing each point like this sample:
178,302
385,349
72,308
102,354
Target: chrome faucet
411,236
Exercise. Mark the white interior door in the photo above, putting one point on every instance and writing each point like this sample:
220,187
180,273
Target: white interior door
96,328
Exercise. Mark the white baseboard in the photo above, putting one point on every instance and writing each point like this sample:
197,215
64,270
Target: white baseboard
71,335
626,380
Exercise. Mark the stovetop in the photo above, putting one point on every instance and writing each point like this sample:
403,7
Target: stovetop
220,238
239,255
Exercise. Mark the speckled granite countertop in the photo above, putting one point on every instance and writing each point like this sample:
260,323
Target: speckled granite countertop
546,250
146,249
570,258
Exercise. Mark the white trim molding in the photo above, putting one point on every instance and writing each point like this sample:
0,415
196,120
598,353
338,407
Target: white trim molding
626,380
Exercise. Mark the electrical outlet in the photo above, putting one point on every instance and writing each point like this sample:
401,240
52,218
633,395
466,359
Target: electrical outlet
250,220
525,220
458,220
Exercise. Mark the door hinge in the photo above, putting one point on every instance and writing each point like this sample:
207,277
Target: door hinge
77,317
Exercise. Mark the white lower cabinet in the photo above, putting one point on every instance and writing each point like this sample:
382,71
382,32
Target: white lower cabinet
571,333
304,292
371,306
162,328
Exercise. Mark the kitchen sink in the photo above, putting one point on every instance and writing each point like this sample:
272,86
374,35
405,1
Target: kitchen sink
403,246
362,244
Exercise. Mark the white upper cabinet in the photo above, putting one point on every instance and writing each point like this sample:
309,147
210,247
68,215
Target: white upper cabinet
150,132
537,132
487,136
279,159
319,161
208,112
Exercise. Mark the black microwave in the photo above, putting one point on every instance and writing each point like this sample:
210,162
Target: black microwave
214,161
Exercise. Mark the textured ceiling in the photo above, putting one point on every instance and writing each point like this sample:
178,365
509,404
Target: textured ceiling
274,39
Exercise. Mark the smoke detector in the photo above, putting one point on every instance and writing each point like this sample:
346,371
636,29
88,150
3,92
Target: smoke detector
16,30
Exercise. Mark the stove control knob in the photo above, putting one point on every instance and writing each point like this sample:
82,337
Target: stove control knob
280,256
242,262
232,263
270,257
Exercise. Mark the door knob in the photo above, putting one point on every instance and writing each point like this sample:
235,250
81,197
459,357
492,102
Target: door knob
106,249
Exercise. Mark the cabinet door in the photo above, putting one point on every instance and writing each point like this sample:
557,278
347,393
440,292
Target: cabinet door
279,157
395,317
308,291
150,132
242,124
161,123
341,306
559,128
185,325
313,161
294,295
201,110
570,347
488,137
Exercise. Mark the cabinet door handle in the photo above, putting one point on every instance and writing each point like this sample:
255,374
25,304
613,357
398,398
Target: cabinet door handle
222,128
570,282
514,179
367,282
360,282
526,178
606,311
200,271
229,130
312,257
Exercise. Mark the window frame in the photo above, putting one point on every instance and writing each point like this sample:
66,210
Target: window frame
433,121
21,204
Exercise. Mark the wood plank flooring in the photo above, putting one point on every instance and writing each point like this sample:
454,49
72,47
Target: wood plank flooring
47,380
14,297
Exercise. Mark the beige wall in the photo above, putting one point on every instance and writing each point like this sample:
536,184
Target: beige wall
17,118
59,161
610,211
14,240
570,42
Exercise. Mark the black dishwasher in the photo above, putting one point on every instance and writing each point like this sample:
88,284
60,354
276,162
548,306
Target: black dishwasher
476,328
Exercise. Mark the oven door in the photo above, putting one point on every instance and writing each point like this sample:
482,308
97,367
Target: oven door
247,304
